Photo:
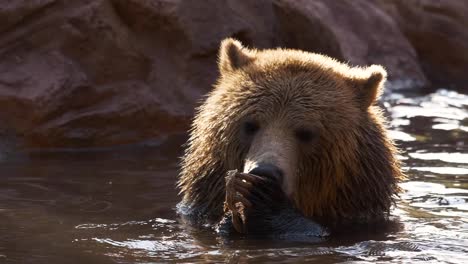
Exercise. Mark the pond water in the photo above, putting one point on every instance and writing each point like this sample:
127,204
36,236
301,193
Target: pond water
117,205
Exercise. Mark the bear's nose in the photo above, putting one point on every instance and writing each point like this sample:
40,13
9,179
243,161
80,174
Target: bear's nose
267,170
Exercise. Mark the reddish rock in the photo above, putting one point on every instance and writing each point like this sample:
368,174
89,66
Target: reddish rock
438,31
105,72
357,31
12,13
76,77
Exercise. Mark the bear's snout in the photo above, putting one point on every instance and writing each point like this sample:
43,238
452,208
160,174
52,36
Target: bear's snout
267,170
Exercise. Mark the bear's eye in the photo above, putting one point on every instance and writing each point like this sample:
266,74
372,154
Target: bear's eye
304,135
251,127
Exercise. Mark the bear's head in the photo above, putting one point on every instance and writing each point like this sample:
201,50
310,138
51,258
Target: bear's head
302,117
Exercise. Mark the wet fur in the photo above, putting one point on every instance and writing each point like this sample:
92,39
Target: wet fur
349,174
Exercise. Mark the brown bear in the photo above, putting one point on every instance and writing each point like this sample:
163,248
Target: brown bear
288,138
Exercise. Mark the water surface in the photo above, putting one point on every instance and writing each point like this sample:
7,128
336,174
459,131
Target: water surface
117,205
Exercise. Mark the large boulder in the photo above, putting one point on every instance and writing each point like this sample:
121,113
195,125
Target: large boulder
107,72
438,31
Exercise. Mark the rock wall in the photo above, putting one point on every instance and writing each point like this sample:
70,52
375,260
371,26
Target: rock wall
106,72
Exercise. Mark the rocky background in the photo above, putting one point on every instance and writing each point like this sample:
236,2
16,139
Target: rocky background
91,73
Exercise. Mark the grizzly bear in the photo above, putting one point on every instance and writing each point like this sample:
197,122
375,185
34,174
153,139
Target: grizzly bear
287,139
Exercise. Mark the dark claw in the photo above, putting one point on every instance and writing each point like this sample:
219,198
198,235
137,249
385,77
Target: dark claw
251,197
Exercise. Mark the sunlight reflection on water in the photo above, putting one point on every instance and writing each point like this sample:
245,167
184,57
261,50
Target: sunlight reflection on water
118,206
421,208
446,157
443,170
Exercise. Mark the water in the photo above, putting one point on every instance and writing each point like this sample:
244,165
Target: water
117,205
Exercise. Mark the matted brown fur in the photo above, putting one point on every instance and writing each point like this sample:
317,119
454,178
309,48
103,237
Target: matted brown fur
349,172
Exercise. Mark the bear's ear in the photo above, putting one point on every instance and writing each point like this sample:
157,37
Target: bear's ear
232,56
368,84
